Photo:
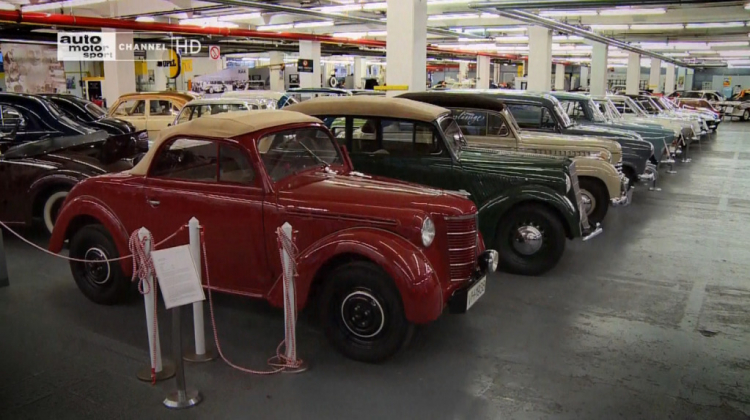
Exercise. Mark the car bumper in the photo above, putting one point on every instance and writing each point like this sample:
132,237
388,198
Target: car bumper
626,194
464,298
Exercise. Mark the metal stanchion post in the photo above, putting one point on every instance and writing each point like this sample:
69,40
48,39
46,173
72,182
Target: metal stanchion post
4,280
181,397
162,370
200,354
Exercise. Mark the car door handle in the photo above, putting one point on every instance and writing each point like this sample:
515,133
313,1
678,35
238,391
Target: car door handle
154,203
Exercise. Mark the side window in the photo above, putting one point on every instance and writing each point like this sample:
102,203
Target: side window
185,114
337,125
622,108
573,109
131,108
472,123
406,138
11,117
527,116
496,126
161,107
548,121
234,166
189,160
364,136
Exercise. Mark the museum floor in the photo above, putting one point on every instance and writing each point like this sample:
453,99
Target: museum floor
647,321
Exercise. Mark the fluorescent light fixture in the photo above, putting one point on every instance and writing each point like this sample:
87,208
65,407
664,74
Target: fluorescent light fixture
4,5
689,45
715,25
617,54
471,40
145,19
350,35
567,38
609,27
566,13
735,53
732,66
623,11
212,22
681,54
444,2
564,52
489,15
655,46
657,27
375,63
507,29
313,24
452,16
706,52
377,33
240,16
729,44
279,27
512,39
738,61
337,9
59,4
381,5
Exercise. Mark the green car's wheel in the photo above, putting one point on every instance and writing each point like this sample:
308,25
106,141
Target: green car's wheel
531,240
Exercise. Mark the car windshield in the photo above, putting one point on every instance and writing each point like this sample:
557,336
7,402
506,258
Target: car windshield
596,114
453,135
665,103
565,120
95,111
692,95
289,152
63,117
512,120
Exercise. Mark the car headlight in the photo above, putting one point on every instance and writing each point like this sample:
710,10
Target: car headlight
428,232
568,183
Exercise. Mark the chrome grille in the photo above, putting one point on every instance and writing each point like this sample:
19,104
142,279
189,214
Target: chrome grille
577,192
618,166
462,246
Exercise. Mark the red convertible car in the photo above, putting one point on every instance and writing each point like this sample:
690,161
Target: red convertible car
379,255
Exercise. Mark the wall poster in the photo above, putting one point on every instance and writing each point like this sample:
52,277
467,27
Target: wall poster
33,69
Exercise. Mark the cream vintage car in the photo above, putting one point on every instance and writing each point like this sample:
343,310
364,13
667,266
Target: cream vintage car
487,124
150,111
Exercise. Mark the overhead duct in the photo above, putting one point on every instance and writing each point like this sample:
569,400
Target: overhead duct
581,4
533,19
327,15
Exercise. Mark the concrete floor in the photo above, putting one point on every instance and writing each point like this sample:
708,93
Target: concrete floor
648,321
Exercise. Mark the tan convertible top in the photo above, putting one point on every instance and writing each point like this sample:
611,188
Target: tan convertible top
371,106
223,126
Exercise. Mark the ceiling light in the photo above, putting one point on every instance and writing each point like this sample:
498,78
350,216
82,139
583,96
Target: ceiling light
677,54
567,13
738,61
472,40
631,11
142,18
511,39
715,25
732,66
489,15
59,4
212,22
377,33
443,2
609,27
689,45
375,6
657,26
508,29
337,9
729,44
706,52
564,52
350,35
567,38
655,46
735,53
453,16
313,24
279,27
240,16
4,5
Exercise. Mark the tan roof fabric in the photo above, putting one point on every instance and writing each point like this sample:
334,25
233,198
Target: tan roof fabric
223,126
374,106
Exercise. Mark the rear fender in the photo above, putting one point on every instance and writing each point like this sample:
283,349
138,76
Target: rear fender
88,207
406,264
492,212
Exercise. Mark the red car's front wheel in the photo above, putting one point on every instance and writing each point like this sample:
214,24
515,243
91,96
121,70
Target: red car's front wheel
100,281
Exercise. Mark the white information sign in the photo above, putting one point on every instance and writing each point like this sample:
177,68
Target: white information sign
178,278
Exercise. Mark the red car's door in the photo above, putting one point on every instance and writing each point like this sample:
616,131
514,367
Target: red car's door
215,182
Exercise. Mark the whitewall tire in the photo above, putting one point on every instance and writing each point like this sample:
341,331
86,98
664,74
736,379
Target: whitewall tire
51,207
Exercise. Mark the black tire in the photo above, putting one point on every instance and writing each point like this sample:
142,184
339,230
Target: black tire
596,192
375,327
103,283
746,115
632,176
552,246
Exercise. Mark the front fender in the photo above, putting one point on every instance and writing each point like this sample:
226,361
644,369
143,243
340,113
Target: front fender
492,212
90,208
406,264
604,171
634,162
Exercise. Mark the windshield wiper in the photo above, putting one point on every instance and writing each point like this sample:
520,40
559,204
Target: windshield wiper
313,155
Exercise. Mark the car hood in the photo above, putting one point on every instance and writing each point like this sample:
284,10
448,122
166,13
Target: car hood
532,137
628,139
361,195
55,144
114,125
520,167
76,164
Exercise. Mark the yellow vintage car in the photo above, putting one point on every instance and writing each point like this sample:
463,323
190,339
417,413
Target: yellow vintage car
150,111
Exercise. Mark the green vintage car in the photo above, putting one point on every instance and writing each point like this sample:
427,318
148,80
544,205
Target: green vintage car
528,204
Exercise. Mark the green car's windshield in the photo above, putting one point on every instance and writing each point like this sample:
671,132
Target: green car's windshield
453,136
593,109
565,120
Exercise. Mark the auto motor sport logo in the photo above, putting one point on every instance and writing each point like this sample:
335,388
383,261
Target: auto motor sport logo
105,46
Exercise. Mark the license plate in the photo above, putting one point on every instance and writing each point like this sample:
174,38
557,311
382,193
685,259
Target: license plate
476,292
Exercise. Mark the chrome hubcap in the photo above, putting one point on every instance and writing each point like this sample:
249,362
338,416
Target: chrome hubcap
589,202
529,239
362,314
98,273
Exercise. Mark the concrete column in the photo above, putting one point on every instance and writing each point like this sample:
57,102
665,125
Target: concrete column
310,50
276,79
119,75
483,72
669,81
634,74
540,59
680,78
689,74
406,49
599,54
360,72
654,77
584,77
496,73
463,71
560,77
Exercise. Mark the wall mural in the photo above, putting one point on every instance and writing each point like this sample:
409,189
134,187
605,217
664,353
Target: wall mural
32,69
